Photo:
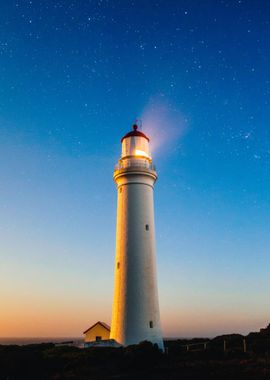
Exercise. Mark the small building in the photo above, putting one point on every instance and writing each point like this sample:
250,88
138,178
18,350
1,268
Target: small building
99,331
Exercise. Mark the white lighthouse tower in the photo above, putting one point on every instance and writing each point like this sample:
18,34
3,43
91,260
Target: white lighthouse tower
135,315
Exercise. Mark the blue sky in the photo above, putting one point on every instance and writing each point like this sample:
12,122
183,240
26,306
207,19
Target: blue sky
74,77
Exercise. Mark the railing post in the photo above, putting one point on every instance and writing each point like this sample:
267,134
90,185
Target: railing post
244,345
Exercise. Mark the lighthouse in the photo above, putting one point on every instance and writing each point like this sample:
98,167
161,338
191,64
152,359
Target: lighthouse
135,314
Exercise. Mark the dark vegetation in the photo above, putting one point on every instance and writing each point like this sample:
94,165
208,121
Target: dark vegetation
203,360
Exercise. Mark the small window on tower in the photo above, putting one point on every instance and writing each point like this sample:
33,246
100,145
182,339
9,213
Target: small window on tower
120,190
118,265
147,227
98,338
151,324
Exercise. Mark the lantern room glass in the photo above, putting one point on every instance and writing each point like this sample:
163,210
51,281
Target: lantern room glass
135,146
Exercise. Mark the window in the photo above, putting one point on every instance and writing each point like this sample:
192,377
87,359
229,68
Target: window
120,190
151,324
98,338
118,265
147,227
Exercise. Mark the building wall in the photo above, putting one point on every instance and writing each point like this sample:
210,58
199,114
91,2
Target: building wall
97,330
135,314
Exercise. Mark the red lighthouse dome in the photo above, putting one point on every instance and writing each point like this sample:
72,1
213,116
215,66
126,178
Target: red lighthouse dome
135,132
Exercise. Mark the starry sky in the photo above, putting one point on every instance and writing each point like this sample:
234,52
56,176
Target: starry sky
74,75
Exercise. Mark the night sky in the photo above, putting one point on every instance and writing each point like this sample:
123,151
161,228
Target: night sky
74,75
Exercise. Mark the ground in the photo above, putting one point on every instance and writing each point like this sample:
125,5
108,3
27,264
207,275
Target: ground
144,361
